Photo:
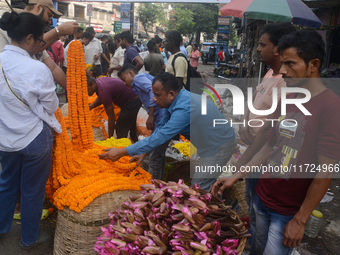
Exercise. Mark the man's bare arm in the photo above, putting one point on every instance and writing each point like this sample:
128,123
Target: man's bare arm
295,229
58,74
67,28
138,61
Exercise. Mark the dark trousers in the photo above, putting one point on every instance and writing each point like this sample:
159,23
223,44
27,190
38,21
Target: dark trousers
127,119
99,70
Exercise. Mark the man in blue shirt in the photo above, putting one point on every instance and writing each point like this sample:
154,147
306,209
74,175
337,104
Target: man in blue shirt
131,54
142,85
215,145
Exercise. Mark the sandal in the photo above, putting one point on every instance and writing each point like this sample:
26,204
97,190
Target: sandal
45,213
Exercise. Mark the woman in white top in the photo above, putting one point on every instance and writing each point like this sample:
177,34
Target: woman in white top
28,102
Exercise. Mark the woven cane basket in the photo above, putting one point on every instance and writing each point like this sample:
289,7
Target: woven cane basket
238,191
76,233
242,241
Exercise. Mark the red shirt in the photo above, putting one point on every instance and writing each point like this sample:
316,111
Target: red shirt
58,51
313,135
112,90
220,55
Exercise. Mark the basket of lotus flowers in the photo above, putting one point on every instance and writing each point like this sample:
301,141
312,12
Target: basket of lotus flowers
173,218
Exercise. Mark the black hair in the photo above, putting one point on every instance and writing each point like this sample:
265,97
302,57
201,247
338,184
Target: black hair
168,81
90,80
309,45
18,26
157,39
151,45
116,37
79,30
87,35
104,37
194,45
112,46
127,67
128,36
221,47
277,30
90,30
175,37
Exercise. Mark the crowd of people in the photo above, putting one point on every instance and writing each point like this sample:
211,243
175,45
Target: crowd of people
34,59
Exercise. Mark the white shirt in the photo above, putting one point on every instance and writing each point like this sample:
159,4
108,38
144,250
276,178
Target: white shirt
33,82
117,60
92,49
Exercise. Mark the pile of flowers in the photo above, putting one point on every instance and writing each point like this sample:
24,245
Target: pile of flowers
186,148
172,218
78,175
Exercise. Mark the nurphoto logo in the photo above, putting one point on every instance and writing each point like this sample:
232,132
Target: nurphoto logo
239,99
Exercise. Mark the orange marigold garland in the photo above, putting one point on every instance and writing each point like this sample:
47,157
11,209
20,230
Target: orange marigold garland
79,112
78,175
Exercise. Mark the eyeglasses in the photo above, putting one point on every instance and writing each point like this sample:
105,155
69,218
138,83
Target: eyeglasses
42,42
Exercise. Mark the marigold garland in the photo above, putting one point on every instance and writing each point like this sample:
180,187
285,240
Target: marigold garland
78,175
100,110
79,112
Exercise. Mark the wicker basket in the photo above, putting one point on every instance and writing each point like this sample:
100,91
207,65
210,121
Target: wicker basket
76,233
238,191
242,241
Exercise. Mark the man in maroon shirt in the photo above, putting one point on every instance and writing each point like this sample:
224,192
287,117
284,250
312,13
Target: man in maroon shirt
305,149
111,90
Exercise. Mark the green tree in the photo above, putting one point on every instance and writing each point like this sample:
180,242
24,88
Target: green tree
204,17
182,21
233,37
149,14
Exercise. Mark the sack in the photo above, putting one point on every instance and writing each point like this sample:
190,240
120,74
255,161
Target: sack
191,73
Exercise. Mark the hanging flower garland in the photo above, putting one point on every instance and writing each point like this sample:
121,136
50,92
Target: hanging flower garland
79,112
78,175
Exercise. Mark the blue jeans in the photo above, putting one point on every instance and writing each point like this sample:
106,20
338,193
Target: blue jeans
157,161
250,186
27,171
221,158
269,230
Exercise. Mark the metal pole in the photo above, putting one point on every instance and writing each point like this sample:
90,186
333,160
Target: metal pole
260,71
89,21
132,19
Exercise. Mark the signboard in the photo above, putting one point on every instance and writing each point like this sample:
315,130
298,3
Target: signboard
118,26
223,27
89,10
126,26
125,12
223,20
222,35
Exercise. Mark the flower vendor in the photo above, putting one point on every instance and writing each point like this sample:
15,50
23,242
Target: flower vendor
142,85
183,109
112,90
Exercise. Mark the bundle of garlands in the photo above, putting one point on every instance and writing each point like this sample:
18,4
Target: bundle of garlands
78,175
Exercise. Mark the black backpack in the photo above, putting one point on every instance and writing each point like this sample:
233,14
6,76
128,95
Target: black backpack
191,73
